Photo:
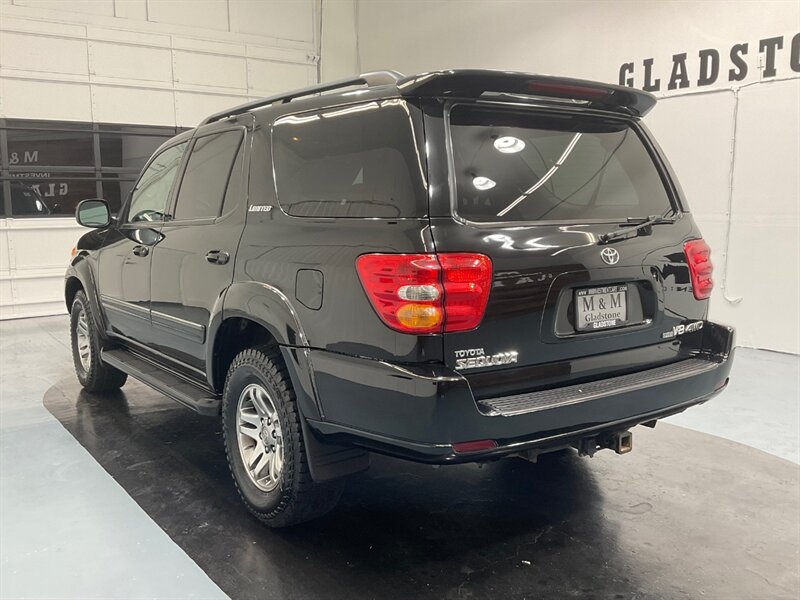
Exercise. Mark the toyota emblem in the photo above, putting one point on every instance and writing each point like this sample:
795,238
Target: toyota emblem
610,256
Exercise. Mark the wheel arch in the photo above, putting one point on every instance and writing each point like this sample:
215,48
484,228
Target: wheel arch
72,285
256,313
79,277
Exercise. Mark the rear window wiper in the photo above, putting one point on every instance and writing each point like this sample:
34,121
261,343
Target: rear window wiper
633,225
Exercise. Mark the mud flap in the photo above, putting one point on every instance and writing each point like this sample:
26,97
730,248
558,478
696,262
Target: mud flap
328,461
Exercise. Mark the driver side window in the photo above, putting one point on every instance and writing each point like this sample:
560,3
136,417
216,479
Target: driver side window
149,199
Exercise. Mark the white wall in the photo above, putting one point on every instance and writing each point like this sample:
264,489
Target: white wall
753,226
339,57
154,62
171,62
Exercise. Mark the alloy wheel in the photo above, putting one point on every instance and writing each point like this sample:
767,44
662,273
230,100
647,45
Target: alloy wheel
82,340
258,431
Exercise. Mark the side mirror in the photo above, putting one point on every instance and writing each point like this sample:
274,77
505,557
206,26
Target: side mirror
93,213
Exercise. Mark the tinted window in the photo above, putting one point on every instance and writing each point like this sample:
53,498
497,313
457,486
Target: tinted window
32,148
116,188
149,200
128,151
521,166
49,193
26,200
207,174
50,166
234,191
357,161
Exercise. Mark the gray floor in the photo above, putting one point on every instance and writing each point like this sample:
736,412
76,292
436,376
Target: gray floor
68,530
760,408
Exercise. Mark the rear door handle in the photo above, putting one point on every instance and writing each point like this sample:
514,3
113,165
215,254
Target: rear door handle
217,257
141,250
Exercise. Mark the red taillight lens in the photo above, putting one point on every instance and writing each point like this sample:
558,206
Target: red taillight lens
427,293
467,280
567,91
698,257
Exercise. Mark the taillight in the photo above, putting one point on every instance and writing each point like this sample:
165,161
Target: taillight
467,280
698,257
427,293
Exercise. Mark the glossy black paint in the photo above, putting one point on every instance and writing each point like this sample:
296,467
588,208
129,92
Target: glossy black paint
419,412
475,83
538,266
275,246
355,378
124,275
188,286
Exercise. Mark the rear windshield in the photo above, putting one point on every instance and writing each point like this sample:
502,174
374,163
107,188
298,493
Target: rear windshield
516,165
355,161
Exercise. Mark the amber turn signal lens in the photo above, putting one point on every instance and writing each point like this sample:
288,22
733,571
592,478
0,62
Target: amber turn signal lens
419,316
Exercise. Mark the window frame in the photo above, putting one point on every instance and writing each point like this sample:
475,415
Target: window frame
184,165
663,172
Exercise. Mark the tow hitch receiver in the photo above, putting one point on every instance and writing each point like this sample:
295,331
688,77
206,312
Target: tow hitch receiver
623,442
620,442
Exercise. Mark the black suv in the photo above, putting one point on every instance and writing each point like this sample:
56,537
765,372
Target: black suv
450,267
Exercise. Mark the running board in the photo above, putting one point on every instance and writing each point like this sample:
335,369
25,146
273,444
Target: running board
521,404
169,384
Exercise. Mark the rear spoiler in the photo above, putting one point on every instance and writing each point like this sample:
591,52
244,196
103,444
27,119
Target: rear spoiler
510,85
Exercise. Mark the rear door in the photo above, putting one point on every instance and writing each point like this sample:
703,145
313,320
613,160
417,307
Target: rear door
193,263
534,189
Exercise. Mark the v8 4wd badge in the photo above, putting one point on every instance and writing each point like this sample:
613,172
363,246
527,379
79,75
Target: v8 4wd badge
681,329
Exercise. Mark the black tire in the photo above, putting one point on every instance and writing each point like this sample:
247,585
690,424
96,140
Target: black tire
93,374
297,497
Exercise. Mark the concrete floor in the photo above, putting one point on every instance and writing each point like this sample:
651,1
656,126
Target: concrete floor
68,529
760,408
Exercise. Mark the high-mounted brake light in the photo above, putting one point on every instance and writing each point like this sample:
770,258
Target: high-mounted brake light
427,293
567,91
698,257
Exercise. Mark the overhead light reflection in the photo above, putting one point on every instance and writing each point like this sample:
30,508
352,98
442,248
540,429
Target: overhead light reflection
509,243
296,119
546,176
508,144
351,109
483,183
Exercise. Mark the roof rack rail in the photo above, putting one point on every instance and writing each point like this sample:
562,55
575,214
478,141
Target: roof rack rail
370,79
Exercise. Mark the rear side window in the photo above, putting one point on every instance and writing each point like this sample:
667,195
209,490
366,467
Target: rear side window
354,161
207,173
522,166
